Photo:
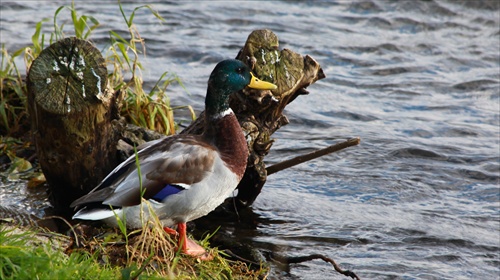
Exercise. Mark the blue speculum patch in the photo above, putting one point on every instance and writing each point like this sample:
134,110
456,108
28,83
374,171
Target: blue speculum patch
166,191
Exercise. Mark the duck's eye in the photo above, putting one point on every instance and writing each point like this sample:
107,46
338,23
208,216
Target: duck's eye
240,70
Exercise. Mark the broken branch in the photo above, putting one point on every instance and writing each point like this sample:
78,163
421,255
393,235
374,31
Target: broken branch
316,154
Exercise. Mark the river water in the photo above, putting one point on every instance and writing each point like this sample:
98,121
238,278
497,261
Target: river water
417,81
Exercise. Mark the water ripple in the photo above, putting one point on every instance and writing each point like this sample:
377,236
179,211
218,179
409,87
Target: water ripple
418,81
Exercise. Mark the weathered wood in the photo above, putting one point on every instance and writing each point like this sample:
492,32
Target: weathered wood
310,156
71,111
261,112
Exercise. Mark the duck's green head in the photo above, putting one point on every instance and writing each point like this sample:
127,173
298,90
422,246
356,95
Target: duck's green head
229,76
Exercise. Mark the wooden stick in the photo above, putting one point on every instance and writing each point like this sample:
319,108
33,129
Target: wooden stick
316,154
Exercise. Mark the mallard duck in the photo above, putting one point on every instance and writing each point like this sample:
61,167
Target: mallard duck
183,177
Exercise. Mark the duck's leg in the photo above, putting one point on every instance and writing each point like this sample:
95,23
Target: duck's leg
189,247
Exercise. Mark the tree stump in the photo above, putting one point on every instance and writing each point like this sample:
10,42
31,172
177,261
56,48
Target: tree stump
260,113
71,111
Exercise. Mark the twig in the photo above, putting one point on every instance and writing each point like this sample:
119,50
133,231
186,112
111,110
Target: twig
247,261
67,223
316,154
289,260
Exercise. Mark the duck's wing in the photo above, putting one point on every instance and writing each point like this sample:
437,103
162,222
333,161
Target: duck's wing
180,161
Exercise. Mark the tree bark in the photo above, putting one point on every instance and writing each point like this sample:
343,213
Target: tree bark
260,113
71,111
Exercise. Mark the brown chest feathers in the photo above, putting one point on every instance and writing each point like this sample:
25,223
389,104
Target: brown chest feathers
230,141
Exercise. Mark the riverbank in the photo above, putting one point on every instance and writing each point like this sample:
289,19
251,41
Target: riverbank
83,251
34,253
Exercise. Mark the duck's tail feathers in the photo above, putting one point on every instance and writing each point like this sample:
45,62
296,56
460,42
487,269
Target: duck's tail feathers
96,214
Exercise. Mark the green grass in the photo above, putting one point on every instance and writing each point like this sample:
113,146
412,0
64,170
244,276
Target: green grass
33,254
13,113
22,256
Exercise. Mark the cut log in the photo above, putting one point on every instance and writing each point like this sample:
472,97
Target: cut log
71,111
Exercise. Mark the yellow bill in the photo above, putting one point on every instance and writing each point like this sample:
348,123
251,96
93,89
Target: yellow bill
259,84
